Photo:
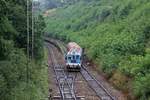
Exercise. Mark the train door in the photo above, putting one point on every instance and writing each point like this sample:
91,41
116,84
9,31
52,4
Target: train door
78,58
73,59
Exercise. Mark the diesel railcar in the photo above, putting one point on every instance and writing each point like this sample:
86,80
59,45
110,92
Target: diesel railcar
73,57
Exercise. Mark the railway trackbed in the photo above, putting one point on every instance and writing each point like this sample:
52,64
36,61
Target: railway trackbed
66,82
99,89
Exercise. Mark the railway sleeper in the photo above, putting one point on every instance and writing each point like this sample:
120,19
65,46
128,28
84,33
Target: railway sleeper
59,98
73,69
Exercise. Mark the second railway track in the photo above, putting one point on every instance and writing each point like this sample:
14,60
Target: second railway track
99,89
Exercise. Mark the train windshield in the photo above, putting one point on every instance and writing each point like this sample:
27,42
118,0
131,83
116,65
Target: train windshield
73,59
69,58
77,56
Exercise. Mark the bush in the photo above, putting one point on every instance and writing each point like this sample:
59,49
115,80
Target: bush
141,87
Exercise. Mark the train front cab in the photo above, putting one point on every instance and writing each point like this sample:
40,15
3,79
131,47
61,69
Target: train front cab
73,62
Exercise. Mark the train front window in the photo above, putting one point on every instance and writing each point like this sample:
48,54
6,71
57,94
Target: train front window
73,57
69,58
77,56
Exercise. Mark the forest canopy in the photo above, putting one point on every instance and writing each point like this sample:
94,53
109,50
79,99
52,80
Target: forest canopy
17,80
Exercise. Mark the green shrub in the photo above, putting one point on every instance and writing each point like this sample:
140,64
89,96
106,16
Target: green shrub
141,87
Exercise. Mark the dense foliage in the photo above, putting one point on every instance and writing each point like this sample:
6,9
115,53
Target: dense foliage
115,33
49,4
17,80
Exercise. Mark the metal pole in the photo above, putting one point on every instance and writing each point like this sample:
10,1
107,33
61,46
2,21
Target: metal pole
32,32
28,41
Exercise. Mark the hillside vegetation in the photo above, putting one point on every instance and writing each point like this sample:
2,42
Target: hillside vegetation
50,4
17,80
115,34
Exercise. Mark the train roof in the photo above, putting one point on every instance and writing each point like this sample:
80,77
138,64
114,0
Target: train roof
74,49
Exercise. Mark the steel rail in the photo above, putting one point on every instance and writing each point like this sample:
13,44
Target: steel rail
65,86
53,69
99,89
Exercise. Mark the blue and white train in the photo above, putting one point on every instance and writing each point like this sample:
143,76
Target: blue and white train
73,57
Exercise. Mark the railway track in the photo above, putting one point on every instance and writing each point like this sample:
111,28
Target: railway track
99,89
94,84
65,82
